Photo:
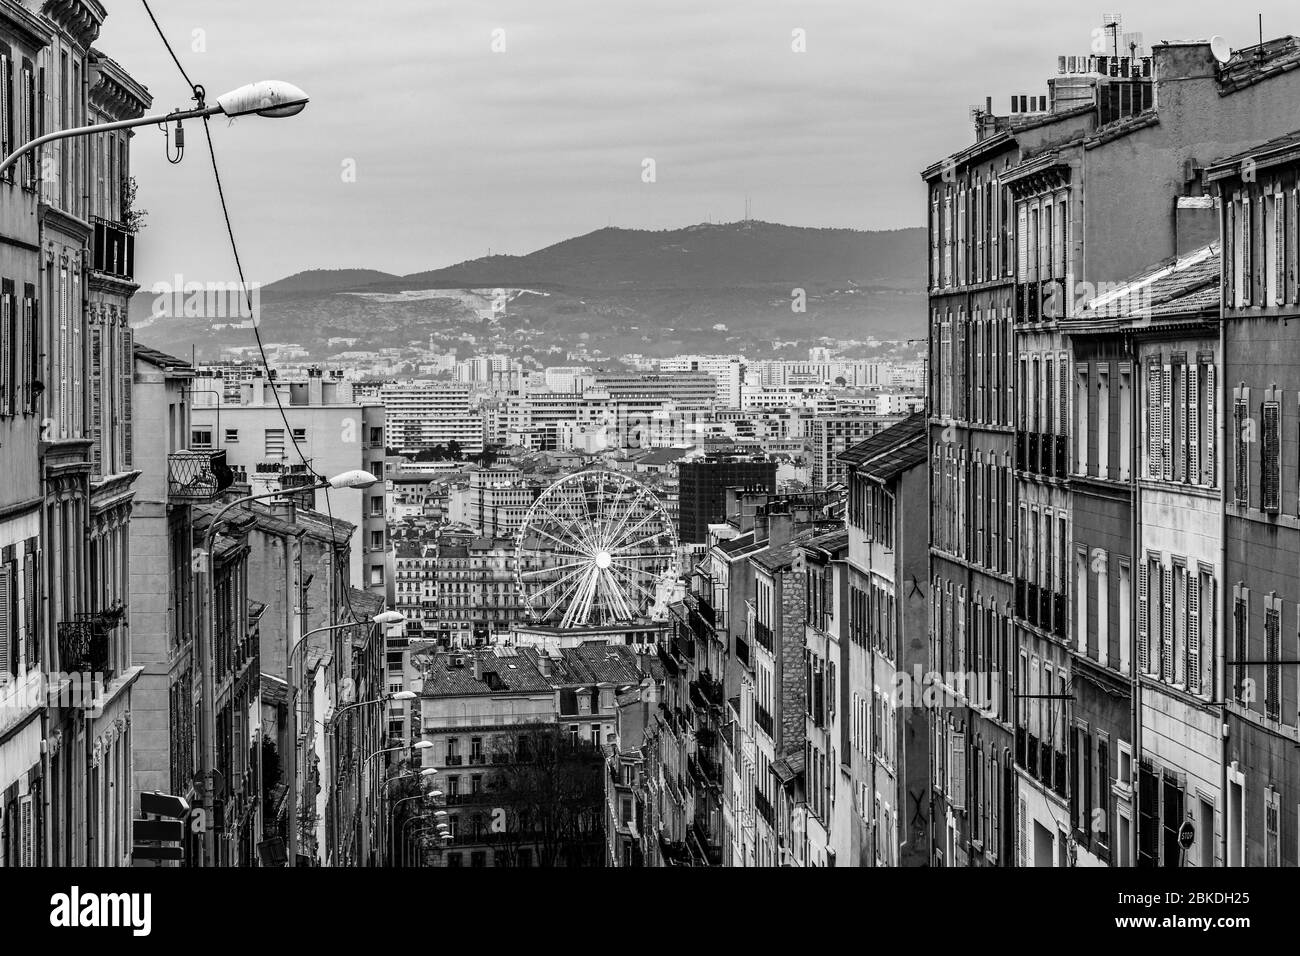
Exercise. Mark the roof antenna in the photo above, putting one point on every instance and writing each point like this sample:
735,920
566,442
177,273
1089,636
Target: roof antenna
1260,54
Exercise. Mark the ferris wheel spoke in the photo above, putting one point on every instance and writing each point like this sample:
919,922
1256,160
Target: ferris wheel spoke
619,605
556,583
572,526
568,594
613,510
580,606
552,569
561,541
625,548
636,584
612,538
641,556
626,535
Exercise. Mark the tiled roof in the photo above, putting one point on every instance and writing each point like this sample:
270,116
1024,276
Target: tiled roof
598,664
890,452
789,767
1251,64
1231,164
1183,286
519,674
777,559
160,359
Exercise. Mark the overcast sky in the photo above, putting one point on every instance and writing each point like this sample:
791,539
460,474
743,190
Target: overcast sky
459,149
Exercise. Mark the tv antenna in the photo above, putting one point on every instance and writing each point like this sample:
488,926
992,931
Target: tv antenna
1113,22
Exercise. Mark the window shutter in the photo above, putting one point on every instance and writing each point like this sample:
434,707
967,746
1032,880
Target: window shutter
1154,468
1269,483
1167,624
1211,424
1205,631
96,400
1273,678
27,837
7,655
1240,490
1247,276
6,134
1022,855
1022,243
1194,634
1192,419
1166,423
1184,437
1278,264
1143,620
6,363
32,622
128,377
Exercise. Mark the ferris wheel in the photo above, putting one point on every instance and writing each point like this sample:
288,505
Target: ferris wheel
596,548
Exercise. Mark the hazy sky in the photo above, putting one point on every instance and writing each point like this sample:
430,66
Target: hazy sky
458,149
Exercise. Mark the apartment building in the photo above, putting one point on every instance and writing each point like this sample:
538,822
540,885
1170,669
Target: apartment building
328,432
425,414
831,435
1257,470
1015,260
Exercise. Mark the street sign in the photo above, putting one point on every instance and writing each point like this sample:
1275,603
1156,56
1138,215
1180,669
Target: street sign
157,853
167,831
163,805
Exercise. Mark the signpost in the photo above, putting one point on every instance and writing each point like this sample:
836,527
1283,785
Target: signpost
157,838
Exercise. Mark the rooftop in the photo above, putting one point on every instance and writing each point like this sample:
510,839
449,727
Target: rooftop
891,452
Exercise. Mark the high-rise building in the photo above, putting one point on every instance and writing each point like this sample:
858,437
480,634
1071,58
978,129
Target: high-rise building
426,414
702,491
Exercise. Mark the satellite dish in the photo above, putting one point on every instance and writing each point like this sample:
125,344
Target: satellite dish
1219,47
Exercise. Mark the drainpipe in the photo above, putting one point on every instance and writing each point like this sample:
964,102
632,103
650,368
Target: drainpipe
1135,525
1221,471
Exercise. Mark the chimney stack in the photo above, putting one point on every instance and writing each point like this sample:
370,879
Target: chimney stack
478,667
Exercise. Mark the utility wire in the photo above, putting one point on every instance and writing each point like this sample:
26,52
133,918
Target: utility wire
257,335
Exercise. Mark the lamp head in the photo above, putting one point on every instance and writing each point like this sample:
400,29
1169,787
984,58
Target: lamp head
273,98
353,479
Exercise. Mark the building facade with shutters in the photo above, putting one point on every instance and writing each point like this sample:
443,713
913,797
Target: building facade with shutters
1260,235
1013,240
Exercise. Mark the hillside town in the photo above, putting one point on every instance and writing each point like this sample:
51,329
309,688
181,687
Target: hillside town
1016,593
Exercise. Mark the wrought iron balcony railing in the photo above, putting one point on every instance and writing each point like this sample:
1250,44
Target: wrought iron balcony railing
85,643
114,249
197,475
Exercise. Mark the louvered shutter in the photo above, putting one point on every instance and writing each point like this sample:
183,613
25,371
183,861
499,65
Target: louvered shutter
1273,677
97,400
1205,598
1144,621
1184,436
1022,243
128,377
1154,468
31,373
6,129
1022,850
7,650
1269,482
1167,624
1240,489
1193,418
6,347
27,827
1180,626
1194,634
31,569
1278,265
1247,237
1166,423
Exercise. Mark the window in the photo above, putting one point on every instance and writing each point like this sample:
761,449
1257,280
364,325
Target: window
201,439
377,506
376,541
376,575
1270,484
299,434
232,435
1271,842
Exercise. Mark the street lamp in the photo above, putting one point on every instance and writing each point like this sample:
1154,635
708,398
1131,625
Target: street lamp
208,713
364,767
334,717
350,479
273,98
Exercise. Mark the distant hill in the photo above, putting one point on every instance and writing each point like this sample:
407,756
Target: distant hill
327,280
705,288
707,255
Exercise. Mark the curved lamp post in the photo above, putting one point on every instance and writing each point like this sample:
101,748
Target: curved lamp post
273,98
207,715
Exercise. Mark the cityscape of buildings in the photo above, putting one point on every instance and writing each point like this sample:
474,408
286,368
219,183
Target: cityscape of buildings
1024,598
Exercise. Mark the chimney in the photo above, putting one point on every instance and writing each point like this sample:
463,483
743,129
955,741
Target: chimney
315,386
284,508
478,667
257,394
544,662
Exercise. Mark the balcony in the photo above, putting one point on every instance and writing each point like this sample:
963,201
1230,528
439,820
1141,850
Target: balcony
196,475
763,635
708,851
114,249
742,653
478,759
84,643
454,760
763,719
